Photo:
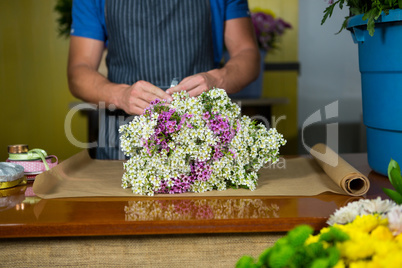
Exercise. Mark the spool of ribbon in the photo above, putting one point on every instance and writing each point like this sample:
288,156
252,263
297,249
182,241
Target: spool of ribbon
9,184
34,154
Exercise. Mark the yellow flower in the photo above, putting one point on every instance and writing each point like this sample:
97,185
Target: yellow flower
383,248
367,223
263,10
382,233
371,244
356,249
312,239
398,239
340,264
363,264
355,234
392,260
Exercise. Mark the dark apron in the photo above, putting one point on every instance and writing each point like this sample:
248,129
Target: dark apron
155,41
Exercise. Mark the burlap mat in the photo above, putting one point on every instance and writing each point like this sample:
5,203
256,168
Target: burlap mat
198,250
81,176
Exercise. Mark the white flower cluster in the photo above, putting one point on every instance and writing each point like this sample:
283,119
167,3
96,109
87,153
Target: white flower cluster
386,208
195,144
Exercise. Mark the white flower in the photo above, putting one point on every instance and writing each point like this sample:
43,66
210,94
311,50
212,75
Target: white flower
342,216
395,220
348,213
376,206
158,158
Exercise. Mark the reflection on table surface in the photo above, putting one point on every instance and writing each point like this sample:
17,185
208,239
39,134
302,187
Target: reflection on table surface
20,203
23,214
199,209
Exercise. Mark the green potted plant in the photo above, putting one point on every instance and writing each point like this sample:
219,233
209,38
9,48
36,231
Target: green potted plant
370,10
64,20
376,26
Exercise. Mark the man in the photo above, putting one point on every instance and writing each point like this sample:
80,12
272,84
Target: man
149,43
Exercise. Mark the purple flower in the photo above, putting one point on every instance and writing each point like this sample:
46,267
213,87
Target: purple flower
217,154
201,171
206,116
155,102
233,153
268,29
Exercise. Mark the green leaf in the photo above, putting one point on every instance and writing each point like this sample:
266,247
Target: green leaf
344,24
393,195
396,180
370,26
393,164
320,262
333,235
299,235
377,14
245,262
264,256
281,256
333,256
355,11
328,13
315,249
400,3
366,15
63,8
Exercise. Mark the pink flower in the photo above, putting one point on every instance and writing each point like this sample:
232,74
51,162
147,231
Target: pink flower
206,116
268,29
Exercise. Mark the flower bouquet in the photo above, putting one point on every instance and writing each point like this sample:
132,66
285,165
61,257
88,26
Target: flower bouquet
268,28
365,233
195,145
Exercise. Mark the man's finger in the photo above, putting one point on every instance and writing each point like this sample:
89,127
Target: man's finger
197,91
138,107
155,91
178,88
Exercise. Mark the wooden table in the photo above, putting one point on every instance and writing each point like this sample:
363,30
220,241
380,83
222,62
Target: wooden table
121,232
30,216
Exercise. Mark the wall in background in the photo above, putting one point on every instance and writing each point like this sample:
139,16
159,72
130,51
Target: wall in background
329,72
289,11
284,83
34,96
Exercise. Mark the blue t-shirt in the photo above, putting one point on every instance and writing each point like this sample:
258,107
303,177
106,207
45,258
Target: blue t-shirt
89,20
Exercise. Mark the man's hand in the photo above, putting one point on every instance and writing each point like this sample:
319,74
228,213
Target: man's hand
137,97
89,85
196,84
242,68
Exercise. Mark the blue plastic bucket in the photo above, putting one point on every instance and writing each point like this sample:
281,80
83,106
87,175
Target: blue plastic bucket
380,64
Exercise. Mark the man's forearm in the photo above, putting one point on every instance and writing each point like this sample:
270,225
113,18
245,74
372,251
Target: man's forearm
90,86
238,72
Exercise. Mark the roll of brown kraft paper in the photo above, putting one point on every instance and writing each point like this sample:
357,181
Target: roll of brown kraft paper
341,172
